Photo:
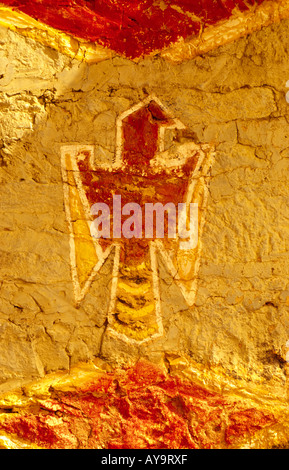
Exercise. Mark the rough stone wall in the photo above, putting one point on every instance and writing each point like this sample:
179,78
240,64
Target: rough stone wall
234,98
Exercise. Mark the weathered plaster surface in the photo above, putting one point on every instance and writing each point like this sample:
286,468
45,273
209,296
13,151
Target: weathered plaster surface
233,98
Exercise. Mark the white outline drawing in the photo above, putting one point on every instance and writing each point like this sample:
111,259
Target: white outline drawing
198,178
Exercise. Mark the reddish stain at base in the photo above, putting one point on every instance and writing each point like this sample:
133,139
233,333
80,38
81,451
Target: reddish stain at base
140,407
133,28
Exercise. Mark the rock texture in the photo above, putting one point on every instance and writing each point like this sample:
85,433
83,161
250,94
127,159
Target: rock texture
131,29
165,412
232,98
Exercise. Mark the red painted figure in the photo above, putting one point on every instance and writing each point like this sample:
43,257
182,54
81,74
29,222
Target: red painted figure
137,181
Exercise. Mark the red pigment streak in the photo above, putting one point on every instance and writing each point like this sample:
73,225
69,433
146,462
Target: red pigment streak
137,181
164,412
133,28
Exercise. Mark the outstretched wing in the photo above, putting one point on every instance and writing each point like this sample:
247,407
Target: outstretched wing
183,264
86,255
